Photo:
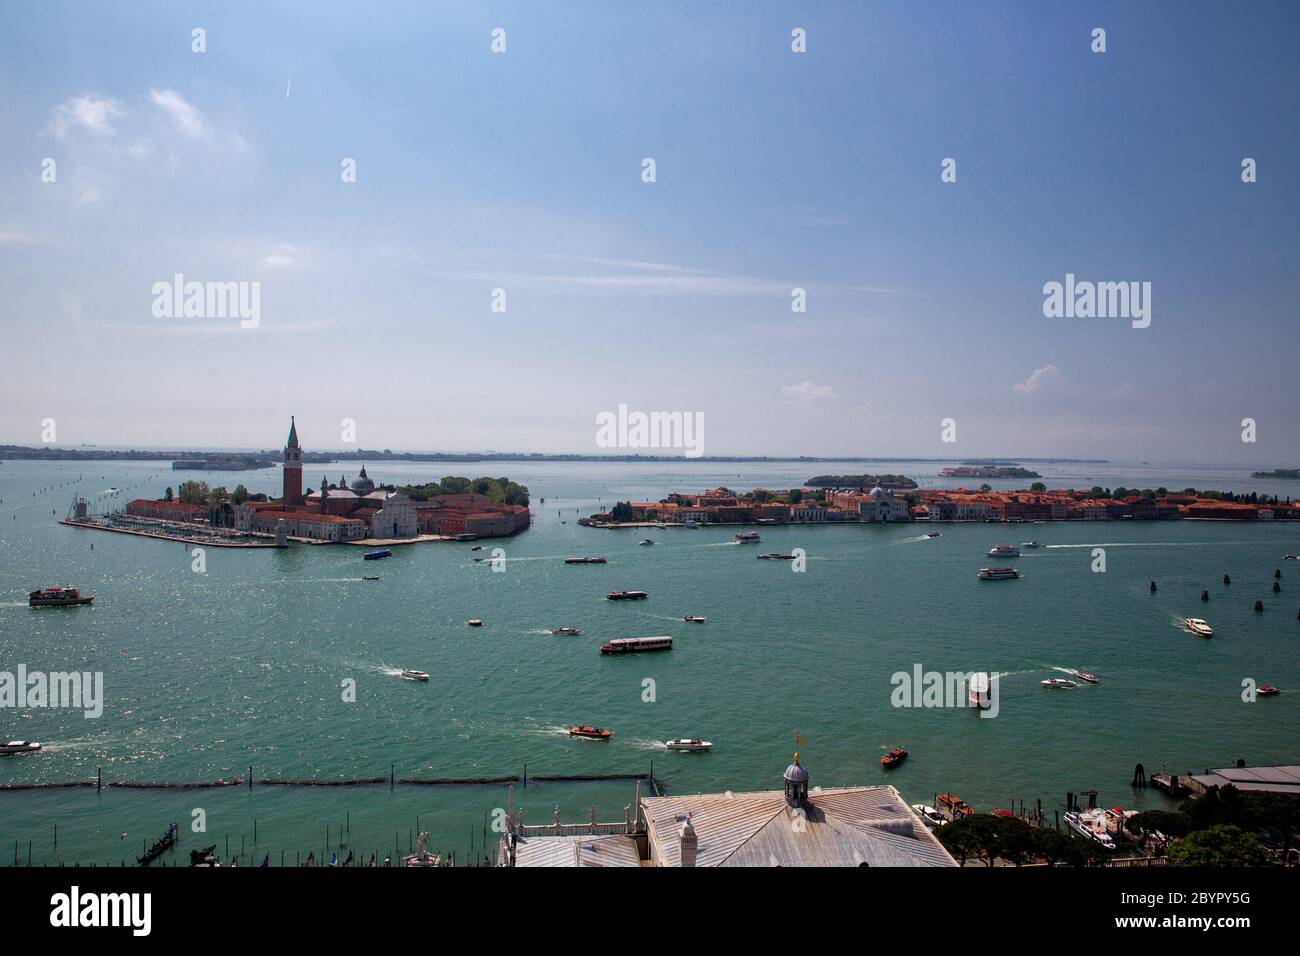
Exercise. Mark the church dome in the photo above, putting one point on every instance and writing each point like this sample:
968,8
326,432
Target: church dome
363,482
795,773
878,493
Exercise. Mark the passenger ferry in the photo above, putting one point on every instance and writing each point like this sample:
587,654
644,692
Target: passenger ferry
636,645
58,597
1198,627
627,595
19,747
997,574
1004,551
584,560
747,537
692,745
376,555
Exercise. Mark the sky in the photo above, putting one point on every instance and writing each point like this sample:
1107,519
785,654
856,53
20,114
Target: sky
774,170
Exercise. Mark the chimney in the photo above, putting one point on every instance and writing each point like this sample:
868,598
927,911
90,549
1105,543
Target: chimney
688,842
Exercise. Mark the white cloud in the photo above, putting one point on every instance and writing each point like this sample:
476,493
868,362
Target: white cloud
807,392
184,115
281,257
91,113
1040,378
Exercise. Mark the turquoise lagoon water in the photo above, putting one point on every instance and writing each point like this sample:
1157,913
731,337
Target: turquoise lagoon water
207,674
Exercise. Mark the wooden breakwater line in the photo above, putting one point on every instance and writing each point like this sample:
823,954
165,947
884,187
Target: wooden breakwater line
392,780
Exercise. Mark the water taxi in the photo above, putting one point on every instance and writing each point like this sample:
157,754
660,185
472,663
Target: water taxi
1027,545
370,577
414,675
1059,683
636,645
893,758
997,574
693,745
934,534
590,732
584,560
1291,557
1264,690
645,542
58,597
1198,627
1004,551
19,747
747,537
567,631
953,806
1082,675
627,595
474,622
694,619
929,815
376,555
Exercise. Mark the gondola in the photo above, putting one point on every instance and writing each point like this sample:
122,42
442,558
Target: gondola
159,848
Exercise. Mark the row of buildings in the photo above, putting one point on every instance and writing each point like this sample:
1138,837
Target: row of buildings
722,506
350,511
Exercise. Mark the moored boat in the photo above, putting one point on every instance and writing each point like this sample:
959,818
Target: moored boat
997,574
591,732
689,745
953,806
929,815
1198,627
636,645
19,747
626,595
58,597
893,758
415,675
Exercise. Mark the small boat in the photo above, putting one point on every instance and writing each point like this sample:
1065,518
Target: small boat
370,577
464,537
977,693
1059,683
1082,675
636,645
626,595
567,631
645,542
954,806
58,597
694,619
1004,551
776,556
477,547
19,747
693,745
997,574
414,675
747,537
929,815
1004,814
376,555
690,523
1264,690
1291,557
1028,545
158,849
584,560
893,758
1198,627
590,732
933,534
474,622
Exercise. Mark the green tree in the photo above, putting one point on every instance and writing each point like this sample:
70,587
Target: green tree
1038,486
193,492
168,495
1221,845
1169,822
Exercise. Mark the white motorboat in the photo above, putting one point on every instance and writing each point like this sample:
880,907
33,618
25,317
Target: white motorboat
1059,683
1004,551
929,815
997,574
689,745
414,675
1030,544
1082,675
1198,627
645,542
694,619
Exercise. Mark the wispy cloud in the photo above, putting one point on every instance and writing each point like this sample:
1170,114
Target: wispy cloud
91,113
1040,379
184,115
806,392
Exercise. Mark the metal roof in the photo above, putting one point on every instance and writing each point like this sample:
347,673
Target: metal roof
577,851
1275,779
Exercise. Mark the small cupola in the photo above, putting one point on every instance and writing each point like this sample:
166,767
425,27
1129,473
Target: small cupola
796,784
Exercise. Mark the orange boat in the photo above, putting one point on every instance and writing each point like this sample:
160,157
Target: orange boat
954,806
591,733
893,758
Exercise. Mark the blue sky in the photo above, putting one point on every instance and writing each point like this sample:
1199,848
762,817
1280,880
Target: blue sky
775,170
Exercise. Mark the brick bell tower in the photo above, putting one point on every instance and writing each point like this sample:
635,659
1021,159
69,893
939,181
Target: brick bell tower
292,467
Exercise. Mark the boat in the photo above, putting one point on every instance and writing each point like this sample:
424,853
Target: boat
1059,683
933,534
474,622
893,758
370,577
415,675
929,815
1028,545
690,523
776,556
636,645
1198,627
58,597
376,555
1082,675
1095,825
1264,690
19,747
477,547
694,619
997,574
567,631
1291,557
645,542
747,537
693,745
977,691
1005,814
1004,551
584,560
626,595
464,537
590,732
421,856
953,806
158,849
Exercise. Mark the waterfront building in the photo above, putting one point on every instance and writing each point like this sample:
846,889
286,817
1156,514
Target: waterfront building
880,506
396,518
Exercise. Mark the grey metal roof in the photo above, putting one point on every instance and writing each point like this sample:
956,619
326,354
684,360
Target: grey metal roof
577,851
1275,779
